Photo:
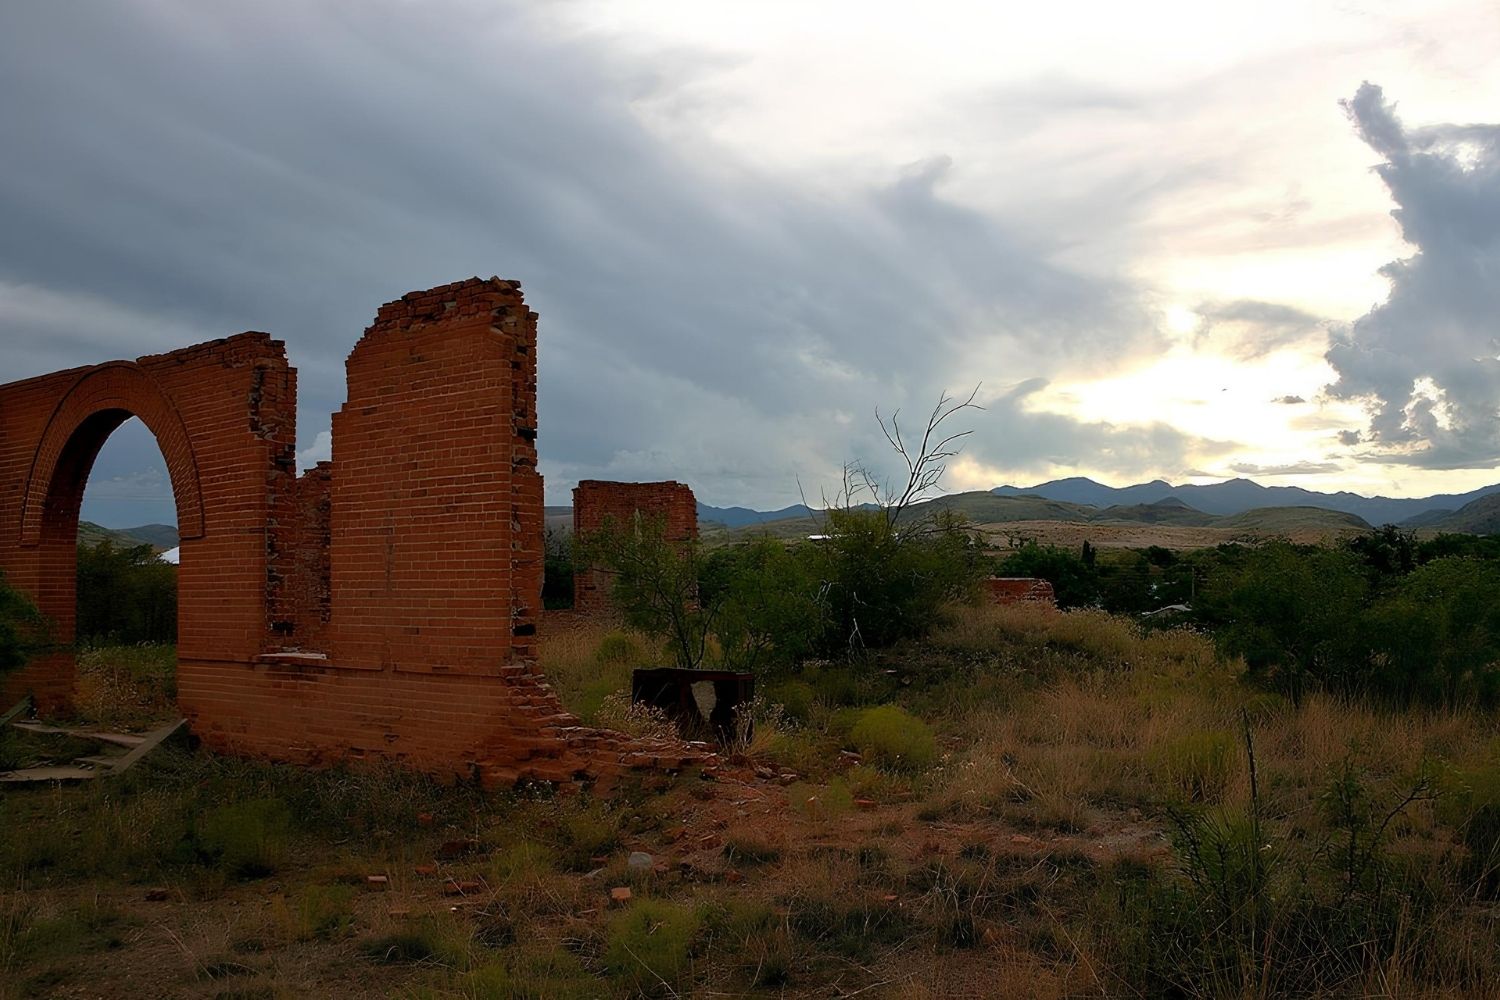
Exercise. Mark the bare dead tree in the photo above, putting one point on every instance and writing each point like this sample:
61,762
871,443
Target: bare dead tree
925,457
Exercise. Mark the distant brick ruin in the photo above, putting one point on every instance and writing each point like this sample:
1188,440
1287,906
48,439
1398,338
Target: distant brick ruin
598,502
381,605
1019,590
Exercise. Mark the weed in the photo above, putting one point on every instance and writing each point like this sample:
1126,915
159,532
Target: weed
650,944
748,849
1198,765
319,912
246,840
429,941
890,736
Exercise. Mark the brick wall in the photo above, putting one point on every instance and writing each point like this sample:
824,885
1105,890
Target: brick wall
382,605
214,409
598,502
1016,589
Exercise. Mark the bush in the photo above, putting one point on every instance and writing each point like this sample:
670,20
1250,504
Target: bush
125,596
1074,581
794,697
650,944
22,631
618,649
890,736
885,579
247,839
1199,765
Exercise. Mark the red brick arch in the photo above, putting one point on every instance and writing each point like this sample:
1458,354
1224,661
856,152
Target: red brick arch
221,415
99,401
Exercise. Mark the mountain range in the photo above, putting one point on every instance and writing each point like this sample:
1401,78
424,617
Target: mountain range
1084,500
1235,496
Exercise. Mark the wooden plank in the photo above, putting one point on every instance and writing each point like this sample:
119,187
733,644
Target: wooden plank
150,742
120,739
15,710
53,772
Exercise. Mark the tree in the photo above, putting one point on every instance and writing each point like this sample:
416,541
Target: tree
557,570
655,582
1074,582
125,595
886,565
23,631
1292,612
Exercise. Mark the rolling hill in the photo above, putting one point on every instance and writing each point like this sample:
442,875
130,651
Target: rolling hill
1477,517
1234,496
159,536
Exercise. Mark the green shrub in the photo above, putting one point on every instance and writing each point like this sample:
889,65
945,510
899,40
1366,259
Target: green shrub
22,629
890,736
319,913
532,974
794,697
650,945
585,835
821,802
522,859
885,578
247,839
619,649
431,940
1199,765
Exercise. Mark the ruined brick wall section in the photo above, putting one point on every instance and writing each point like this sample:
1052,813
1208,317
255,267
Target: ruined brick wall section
412,561
436,538
597,502
1019,589
201,405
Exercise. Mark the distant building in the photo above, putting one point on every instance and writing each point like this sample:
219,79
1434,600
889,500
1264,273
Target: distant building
1020,590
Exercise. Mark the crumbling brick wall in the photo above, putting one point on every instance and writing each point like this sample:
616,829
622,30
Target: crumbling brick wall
221,414
598,502
383,604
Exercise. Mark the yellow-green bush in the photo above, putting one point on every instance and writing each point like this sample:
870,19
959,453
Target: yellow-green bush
890,736
1199,765
794,697
650,944
246,839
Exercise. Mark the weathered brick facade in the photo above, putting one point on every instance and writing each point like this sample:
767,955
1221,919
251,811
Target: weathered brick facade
381,605
597,502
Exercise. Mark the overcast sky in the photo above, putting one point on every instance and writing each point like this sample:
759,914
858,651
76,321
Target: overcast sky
1187,241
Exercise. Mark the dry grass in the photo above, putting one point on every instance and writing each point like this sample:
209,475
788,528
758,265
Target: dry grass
1032,859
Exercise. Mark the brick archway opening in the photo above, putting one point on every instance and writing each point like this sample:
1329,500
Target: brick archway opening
202,405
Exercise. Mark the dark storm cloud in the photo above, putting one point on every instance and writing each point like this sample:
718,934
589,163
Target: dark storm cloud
176,172
1426,362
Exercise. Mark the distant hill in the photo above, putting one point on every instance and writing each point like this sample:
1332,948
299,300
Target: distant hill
1235,496
738,517
1477,517
1167,511
988,508
1285,520
159,536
